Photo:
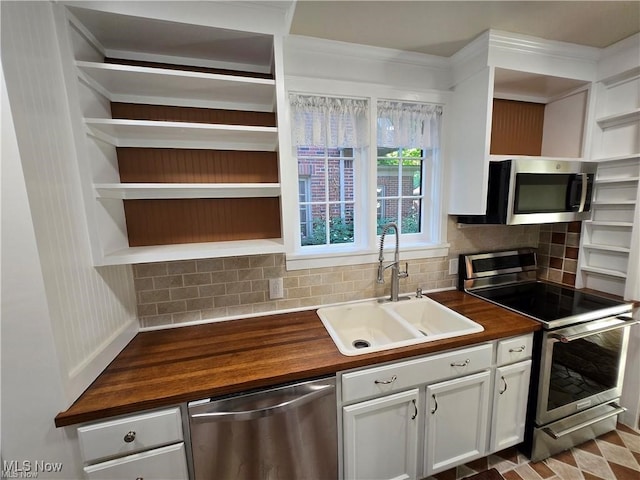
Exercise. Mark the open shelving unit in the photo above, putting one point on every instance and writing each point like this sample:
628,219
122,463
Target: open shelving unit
606,241
181,151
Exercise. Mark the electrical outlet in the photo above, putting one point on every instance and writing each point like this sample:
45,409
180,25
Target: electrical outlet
276,288
453,266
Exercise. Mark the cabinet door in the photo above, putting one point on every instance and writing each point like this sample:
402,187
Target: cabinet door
457,417
166,463
381,437
510,395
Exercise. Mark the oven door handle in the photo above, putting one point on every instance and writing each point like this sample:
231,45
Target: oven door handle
559,434
588,332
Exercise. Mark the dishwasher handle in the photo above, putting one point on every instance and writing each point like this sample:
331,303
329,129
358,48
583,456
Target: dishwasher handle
317,392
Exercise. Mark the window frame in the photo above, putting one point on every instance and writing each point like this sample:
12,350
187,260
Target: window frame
365,247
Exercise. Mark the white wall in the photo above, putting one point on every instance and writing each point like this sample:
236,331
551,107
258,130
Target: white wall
31,379
92,310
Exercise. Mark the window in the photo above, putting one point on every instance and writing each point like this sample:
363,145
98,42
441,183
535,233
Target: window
338,201
328,132
400,182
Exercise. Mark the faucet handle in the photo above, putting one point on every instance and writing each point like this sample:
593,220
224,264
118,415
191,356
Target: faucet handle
404,274
419,292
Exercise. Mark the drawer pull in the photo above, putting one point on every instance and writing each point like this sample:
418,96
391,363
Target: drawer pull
386,382
505,386
130,437
461,364
520,349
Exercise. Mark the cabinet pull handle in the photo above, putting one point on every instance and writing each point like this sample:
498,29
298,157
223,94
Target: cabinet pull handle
505,385
130,436
521,348
435,408
461,364
415,410
386,382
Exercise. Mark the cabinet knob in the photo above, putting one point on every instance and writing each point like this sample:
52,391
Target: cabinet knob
130,437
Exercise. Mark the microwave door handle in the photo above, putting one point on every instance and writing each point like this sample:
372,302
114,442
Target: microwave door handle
583,192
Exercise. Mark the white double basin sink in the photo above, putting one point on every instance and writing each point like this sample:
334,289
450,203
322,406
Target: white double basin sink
370,326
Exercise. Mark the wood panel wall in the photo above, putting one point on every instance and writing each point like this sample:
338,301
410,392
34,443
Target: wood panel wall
165,222
171,165
516,128
138,111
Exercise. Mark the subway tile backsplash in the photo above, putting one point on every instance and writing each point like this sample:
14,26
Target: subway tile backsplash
174,293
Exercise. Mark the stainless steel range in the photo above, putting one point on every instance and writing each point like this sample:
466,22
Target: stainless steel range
579,356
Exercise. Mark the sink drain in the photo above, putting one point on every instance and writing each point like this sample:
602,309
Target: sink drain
361,343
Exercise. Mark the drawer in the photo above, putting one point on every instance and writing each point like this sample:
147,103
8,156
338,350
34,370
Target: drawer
401,375
130,434
166,463
513,350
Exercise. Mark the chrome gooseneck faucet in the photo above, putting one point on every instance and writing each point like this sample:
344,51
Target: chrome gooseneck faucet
396,274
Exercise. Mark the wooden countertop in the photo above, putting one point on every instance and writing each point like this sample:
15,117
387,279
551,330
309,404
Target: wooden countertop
166,367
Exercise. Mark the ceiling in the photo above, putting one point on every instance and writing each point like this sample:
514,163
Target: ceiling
444,27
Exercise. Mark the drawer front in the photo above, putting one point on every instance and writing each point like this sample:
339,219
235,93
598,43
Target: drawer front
166,463
398,376
130,434
513,350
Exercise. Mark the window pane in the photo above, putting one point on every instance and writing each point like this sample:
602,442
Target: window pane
318,227
411,176
341,225
389,213
340,179
411,210
388,175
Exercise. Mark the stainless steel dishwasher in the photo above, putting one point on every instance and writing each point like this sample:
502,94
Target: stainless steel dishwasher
286,432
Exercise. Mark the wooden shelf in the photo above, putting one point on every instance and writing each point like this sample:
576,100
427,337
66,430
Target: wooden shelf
188,251
619,118
137,84
618,158
609,224
606,248
154,134
600,181
604,271
533,157
143,191
613,203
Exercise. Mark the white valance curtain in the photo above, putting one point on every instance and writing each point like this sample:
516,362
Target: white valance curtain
403,124
329,122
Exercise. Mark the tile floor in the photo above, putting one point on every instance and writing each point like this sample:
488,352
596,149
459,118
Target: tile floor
612,456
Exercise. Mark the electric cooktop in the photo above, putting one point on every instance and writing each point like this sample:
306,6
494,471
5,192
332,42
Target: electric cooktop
508,279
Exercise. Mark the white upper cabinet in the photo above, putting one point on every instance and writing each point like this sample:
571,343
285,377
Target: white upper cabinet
515,96
174,113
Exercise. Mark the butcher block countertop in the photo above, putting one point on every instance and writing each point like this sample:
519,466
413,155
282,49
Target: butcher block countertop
166,367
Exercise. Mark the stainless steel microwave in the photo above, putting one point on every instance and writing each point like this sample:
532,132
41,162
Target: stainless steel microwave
524,190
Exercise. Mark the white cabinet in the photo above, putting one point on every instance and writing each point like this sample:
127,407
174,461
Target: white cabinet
606,240
166,463
177,143
543,91
148,445
380,437
510,392
416,417
456,425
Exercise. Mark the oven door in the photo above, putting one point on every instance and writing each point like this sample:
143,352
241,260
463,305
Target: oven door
581,366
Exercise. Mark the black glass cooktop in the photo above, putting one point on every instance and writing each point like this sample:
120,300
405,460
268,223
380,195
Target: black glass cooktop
544,301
